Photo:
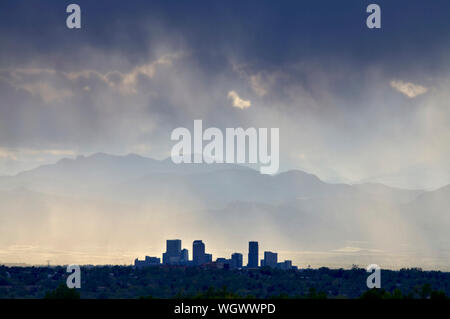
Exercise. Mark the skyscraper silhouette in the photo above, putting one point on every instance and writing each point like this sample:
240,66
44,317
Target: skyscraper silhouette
270,259
173,252
236,260
253,254
198,252
184,256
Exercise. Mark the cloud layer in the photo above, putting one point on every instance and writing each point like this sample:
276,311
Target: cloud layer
132,74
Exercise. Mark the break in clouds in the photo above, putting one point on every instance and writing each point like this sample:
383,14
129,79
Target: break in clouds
122,83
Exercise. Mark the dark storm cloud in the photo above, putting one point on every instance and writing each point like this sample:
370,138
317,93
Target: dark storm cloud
269,31
343,95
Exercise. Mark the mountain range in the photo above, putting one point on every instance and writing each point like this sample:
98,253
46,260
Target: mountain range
88,208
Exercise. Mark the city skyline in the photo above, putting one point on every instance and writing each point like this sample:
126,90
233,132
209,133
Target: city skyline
176,256
360,117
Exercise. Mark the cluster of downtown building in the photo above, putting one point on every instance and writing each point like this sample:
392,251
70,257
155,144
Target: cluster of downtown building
176,256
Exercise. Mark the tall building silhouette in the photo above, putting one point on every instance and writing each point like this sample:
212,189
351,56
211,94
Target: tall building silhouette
184,256
173,246
236,260
270,259
253,254
198,253
172,256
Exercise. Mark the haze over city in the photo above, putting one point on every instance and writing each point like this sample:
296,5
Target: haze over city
363,115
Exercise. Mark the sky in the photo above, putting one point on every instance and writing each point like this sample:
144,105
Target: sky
352,104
